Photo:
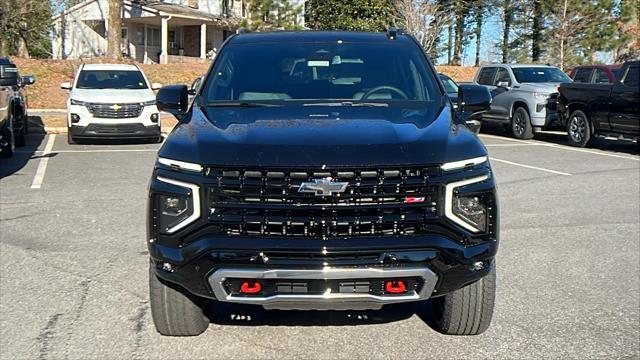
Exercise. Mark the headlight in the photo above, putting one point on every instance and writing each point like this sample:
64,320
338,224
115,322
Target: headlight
78,102
468,211
148,103
177,210
472,209
172,210
540,96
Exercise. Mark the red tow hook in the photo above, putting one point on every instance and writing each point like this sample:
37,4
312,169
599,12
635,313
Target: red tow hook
395,287
250,287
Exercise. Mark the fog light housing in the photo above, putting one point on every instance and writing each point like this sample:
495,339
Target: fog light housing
75,118
154,117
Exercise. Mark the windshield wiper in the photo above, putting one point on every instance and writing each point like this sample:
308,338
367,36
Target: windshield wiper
243,104
348,103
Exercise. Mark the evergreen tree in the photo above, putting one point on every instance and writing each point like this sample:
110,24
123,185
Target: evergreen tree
354,15
266,15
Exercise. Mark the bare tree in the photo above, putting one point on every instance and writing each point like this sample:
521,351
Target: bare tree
114,29
423,19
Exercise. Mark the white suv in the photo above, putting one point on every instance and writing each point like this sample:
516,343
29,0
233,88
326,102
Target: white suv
111,101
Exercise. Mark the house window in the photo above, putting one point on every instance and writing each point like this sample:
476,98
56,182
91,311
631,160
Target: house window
153,36
140,36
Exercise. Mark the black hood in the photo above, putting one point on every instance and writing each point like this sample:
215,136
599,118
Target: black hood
301,136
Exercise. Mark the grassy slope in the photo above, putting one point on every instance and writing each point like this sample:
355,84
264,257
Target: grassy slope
46,92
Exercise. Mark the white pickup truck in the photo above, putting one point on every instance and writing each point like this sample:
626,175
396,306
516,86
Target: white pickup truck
111,101
524,96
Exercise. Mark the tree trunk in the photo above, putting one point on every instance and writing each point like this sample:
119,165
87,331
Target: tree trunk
450,44
21,47
536,32
507,27
114,30
563,33
479,19
461,13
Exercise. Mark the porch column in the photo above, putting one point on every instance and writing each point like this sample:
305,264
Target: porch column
203,41
164,30
146,53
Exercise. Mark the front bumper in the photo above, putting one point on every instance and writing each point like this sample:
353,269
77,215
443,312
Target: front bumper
442,265
115,131
333,297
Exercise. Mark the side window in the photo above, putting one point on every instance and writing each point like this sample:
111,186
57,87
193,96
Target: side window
583,75
502,76
632,78
601,77
486,76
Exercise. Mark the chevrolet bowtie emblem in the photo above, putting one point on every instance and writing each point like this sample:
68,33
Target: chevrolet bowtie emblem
323,187
116,107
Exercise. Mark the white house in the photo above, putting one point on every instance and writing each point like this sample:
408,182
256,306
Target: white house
152,31
160,31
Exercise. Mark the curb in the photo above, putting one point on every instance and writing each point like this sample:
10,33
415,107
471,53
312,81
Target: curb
48,110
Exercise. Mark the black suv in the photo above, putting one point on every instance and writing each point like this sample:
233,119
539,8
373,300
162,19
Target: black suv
324,171
13,107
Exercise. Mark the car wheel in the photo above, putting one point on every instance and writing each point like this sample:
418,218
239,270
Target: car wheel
175,312
21,138
70,139
7,143
467,311
578,129
521,124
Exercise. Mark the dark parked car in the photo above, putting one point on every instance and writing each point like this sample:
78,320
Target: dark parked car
452,89
595,74
609,110
13,107
322,170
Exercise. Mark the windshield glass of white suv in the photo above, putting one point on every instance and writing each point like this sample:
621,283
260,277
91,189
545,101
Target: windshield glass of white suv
303,72
539,75
110,79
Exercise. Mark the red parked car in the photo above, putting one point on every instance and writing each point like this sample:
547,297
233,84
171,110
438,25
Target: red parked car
596,74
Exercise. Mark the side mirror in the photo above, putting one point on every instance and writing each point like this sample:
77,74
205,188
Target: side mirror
28,80
473,100
65,86
504,84
173,99
156,86
474,126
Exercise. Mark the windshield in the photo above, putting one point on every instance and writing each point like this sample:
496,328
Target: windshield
325,72
540,75
111,79
450,86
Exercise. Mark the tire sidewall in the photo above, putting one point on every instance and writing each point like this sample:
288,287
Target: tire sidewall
574,120
527,130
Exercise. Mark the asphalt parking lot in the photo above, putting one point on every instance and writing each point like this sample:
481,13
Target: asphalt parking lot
73,265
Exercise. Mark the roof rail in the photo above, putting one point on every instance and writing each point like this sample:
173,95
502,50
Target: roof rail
392,33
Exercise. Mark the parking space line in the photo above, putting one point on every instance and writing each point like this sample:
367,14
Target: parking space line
42,166
561,147
89,151
509,145
530,167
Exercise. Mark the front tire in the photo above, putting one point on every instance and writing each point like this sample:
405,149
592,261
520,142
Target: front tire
578,129
521,124
175,312
70,139
8,139
467,311
21,138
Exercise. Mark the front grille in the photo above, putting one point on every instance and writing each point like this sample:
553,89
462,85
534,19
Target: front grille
115,111
376,202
